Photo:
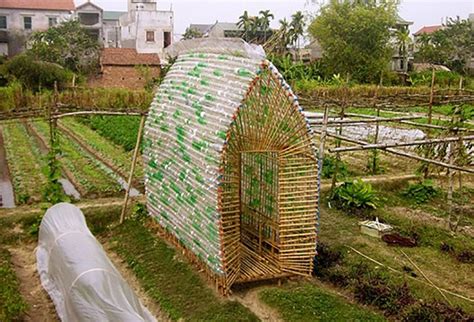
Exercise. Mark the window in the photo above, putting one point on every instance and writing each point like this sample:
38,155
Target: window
27,23
150,36
3,22
53,21
166,39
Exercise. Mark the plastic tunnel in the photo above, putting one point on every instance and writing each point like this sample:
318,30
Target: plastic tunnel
77,274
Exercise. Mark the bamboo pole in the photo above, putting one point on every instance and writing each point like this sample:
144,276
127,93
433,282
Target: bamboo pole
377,129
373,120
426,278
402,144
450,188
411,277
132,170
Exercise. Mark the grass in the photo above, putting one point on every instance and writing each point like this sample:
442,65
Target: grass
170,281
342,230
106,149
25,164
307,302
89,174
12,304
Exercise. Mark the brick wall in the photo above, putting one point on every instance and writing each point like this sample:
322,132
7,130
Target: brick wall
123,77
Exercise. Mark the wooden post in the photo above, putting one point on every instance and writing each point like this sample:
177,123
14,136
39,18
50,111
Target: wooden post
450,187
132,170
430,121
338,142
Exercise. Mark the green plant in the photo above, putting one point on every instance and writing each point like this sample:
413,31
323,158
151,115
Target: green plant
34,74
329,167
421,192
436,311
356,195
12,304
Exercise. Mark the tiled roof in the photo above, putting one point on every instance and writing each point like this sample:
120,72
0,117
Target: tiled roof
428,30
127,57
56,5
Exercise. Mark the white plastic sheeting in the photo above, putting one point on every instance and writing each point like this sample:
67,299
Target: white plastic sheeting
77,274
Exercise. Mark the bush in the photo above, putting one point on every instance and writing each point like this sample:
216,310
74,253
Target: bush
34,74
357,196
329,167
421,192
325,259
375,289
436,311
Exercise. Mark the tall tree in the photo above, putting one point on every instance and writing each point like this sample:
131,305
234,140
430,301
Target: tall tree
68,45
403,41
355,37
265,18
297,29
452,45
284,33
245,23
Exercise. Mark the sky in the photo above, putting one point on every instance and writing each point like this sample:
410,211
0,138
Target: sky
420,12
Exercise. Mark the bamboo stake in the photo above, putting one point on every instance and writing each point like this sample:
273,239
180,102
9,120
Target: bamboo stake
402,144
450,189
132,170
426,277
411,277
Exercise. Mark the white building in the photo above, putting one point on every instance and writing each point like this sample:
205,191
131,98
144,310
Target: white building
19,18
146,28
91,18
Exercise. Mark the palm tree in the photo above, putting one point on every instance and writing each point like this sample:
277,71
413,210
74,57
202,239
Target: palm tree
284,34
245,23
265,15
297,28
403,40
255,27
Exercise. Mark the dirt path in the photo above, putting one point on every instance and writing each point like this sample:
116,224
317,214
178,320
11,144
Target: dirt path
132,280
41,308
250,299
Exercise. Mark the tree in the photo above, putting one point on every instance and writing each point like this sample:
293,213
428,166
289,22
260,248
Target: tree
452,46
192,33
297,29
68,45
403,41
245,23
265,19
355,37
284,34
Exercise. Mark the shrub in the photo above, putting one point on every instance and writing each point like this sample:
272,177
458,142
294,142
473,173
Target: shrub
357,196
375,289
421,192
34,74
436,311
325,259
329,167
442,78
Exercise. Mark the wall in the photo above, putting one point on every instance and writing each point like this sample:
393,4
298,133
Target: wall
90,18
135,25
40,22
111,33
123,77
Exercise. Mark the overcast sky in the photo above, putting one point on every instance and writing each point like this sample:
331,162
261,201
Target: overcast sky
421,12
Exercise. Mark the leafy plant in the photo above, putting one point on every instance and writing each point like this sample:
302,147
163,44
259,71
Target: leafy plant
329,167
12,304
357,196
421,192
436,311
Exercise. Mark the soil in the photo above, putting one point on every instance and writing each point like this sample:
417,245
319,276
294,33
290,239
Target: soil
250,299
40,307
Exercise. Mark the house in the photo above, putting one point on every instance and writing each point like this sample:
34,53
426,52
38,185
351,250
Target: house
126,68
426,30
20,18
146,28
203,29
90,17
400,57
111,28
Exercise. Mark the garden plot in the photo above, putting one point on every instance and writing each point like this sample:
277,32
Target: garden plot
92,178
25,162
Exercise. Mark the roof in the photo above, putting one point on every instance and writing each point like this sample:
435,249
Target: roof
127,57
227,26
402,21
56,5
89,4
428,30
113,15
202,28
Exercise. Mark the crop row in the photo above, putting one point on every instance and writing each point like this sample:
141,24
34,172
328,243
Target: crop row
25,163
91,177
